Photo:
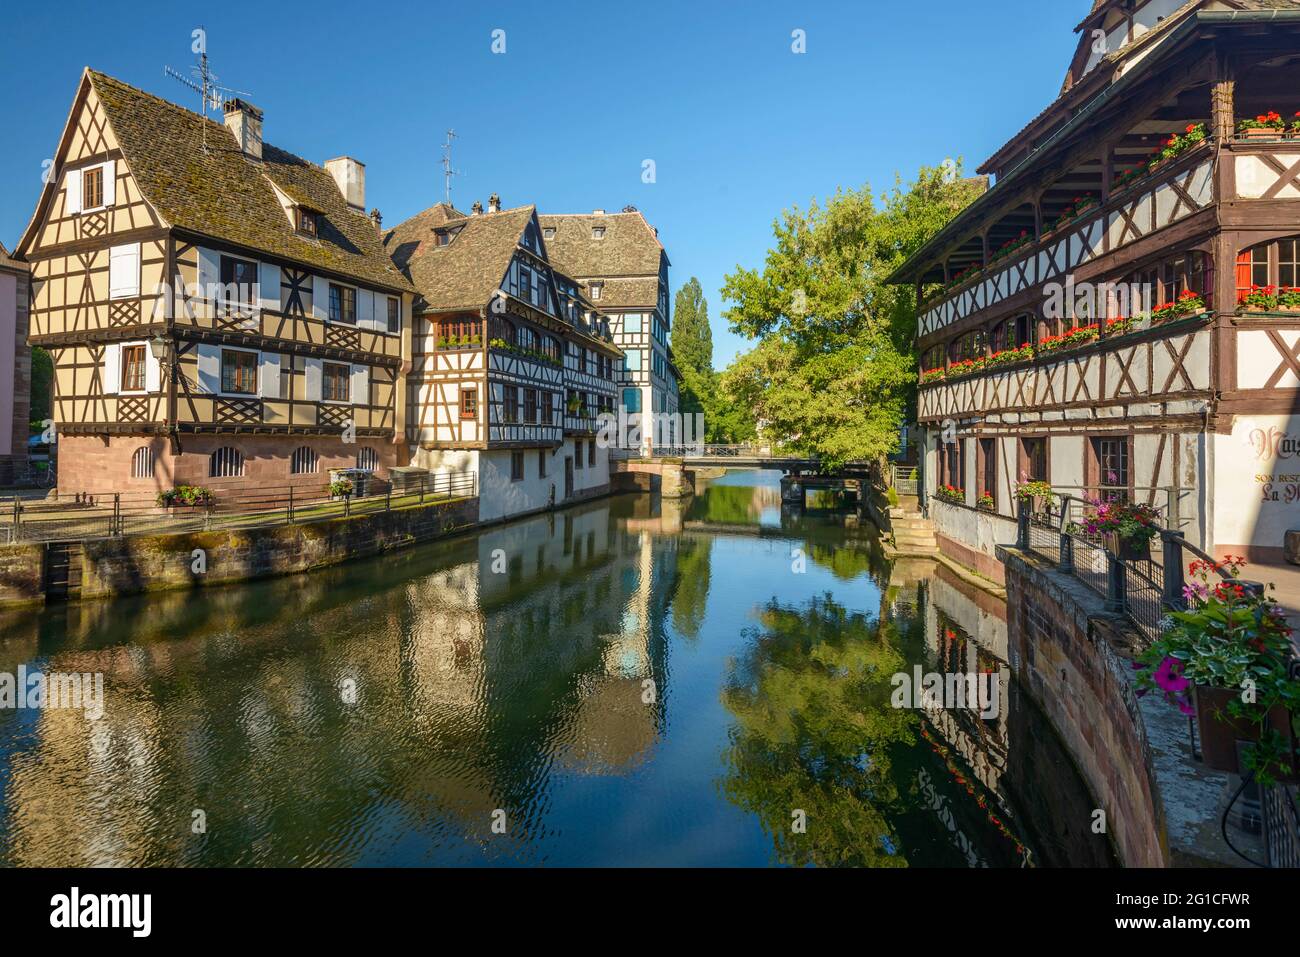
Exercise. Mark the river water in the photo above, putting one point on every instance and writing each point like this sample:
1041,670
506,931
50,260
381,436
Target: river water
628,682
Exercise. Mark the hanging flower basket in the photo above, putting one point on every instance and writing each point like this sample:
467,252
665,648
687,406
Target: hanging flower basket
1220,731
1132,549
1231,653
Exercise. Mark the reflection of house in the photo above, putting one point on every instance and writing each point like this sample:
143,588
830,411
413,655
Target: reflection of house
15,365
164,235
510,365
1193,407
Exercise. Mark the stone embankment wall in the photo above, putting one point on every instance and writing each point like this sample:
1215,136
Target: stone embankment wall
1075,659
670,479
140,563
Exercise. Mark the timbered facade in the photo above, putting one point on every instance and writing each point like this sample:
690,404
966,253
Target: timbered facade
15,366
1115,315
621,267
213,305
509,367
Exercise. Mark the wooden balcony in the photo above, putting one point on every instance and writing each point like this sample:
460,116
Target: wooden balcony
1177,191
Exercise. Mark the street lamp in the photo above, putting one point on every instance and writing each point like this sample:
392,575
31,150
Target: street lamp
161,348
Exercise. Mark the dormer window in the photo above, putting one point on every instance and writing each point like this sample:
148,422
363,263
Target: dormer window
597,232
443,237
596,289
307,222
548,232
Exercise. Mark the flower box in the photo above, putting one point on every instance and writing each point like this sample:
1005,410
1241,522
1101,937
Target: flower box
1262,133
1134,549
1220,732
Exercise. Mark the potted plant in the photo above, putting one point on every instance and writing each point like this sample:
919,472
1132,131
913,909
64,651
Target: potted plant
1228,660
986,502
1258,299
1126,529
1294,133
1035,493
1288,299
932,375
1075,336
185,496
1266,126
1023,353
341,488
951,493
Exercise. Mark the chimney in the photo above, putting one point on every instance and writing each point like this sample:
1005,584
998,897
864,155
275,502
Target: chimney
598,212
494,203
350,175
245,121
476,209
377,219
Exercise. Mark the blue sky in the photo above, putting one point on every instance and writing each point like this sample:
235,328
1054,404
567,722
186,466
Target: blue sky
739,127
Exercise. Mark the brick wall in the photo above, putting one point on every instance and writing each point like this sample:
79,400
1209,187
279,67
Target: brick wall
102,464
1075,661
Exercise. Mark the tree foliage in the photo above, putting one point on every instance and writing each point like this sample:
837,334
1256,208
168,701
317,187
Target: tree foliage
833,369
692,338
42,384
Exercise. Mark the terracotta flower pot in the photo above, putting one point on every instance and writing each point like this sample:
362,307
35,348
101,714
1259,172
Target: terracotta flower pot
1263,134
1220,732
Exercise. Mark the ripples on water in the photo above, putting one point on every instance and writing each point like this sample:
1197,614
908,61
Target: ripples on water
624,683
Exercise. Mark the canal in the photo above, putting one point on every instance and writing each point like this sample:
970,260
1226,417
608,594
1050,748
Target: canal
629,682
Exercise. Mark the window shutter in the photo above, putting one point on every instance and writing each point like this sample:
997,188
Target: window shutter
268,286
112,368
209,358
110,182
269,384
152,372
320,297
360,388
365,309
124,271
314,371
1244,271
209,276
72,191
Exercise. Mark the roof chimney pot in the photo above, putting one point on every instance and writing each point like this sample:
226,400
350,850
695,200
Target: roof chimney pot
350,177
494,203
476,209
244,120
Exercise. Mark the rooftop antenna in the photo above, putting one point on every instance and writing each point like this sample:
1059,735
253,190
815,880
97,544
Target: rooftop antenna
203,81
447,171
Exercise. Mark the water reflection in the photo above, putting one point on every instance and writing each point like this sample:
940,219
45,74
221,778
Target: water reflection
624,683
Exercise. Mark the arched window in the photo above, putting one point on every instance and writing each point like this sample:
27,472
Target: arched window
367,460
552,347
304,461
969,346
527,338
1275,263
142,463
1012,333
932,358
226,462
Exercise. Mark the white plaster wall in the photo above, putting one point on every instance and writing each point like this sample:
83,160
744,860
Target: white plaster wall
978,530
1256,491
499,497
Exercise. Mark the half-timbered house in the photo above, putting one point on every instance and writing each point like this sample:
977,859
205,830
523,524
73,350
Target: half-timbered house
1117,315
15,366
622,269
220,311
508,373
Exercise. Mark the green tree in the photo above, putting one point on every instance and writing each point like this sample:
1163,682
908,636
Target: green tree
833,371
692,339
42,384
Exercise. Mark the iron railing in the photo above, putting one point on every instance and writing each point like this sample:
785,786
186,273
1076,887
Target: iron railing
710,450
90,515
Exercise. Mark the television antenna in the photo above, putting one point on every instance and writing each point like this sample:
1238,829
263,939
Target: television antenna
447,171
205,83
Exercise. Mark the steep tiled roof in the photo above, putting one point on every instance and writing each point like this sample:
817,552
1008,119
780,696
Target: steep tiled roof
629,247
221,193
7,261
627,293
467,271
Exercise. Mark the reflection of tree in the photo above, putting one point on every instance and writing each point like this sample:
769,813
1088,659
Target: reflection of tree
814,732
691,596
733,504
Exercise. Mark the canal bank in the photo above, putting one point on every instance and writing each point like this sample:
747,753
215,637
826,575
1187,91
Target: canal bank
630,681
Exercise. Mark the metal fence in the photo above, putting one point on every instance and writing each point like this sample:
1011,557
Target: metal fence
90,515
